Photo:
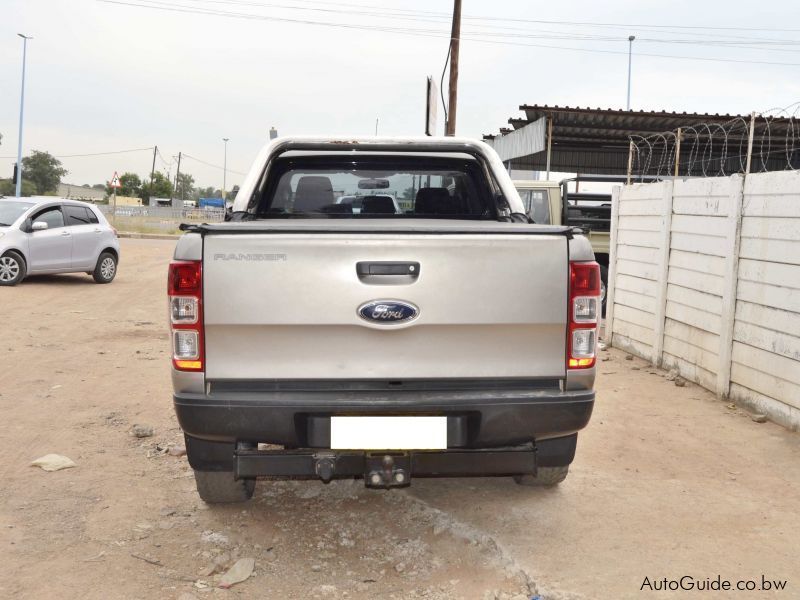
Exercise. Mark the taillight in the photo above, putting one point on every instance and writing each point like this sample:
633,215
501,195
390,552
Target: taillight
185,290
584,311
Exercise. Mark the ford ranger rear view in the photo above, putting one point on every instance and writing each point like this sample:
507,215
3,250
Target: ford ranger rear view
432,331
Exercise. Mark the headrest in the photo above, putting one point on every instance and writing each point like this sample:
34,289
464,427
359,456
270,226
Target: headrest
382,205
313,192
432,201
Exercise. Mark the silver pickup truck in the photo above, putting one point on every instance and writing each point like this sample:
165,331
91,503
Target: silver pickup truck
434,332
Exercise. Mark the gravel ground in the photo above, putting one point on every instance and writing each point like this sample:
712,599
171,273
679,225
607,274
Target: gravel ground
668,482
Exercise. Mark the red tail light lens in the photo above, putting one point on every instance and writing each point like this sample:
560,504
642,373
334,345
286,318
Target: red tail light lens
584,309
184,278
185,290
584,279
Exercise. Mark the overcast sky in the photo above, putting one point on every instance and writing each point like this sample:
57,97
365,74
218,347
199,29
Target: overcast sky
105,77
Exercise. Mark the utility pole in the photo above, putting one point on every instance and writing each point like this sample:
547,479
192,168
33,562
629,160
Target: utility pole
152,172
25,39
177,175
455,37
630,56
225,168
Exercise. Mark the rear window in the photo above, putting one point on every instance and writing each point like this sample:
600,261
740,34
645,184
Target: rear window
377,187
537,205
77,215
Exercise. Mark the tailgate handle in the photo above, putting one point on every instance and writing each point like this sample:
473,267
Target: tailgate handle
384,271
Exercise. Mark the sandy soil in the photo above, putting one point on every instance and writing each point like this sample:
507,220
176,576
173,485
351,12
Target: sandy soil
668,482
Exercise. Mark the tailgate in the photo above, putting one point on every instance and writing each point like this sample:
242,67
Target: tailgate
286,305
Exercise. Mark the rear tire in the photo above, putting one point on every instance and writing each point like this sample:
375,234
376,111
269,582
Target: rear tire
106,268
219,487
12,268
545,477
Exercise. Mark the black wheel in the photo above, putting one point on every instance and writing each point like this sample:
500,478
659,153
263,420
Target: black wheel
219,487
545,477
106,268
603,287
12,268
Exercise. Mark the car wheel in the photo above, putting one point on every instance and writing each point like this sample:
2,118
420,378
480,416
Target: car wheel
545,477
219,487
12,268
106,268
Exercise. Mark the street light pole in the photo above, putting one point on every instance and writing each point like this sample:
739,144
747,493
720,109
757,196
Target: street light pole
225,168
630,55
25,39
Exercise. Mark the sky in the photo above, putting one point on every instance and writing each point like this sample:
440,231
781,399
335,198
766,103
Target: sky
107,77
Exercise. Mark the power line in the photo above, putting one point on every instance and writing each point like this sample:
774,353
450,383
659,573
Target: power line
434,16
164,162
208,164
93,153
156,5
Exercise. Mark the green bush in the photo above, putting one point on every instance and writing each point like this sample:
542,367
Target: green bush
7,188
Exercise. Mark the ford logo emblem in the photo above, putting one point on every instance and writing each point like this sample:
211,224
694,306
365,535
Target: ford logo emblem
388,312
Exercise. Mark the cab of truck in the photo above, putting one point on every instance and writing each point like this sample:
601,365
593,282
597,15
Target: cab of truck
562,203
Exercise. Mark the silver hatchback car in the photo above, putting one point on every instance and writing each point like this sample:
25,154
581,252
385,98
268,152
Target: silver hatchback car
55,235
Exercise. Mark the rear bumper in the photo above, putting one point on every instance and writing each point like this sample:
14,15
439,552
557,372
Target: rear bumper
300,418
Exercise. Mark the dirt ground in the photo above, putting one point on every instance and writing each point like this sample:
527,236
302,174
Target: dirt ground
668,481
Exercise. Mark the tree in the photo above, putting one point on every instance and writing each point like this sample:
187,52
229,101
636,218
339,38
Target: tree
160,187
8,188
99,186
185,186
207,192
44,170
130,185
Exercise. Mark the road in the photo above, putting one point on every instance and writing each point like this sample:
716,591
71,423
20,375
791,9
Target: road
668,481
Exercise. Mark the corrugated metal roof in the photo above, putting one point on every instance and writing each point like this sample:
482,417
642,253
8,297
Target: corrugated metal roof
596,140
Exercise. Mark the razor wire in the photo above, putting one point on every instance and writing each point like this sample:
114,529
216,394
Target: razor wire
721,147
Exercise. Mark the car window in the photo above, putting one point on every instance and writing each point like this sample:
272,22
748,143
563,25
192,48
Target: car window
378,186
537,205
10,211
52,216
76,215
92,216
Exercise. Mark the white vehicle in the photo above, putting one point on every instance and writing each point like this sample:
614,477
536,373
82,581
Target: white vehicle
55,235
453,338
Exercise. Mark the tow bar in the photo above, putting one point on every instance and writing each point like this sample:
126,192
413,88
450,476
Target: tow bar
383,469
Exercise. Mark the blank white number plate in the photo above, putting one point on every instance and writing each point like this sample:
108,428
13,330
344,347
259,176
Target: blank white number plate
388,433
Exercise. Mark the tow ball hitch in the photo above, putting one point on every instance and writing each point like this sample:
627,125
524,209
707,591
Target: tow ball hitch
387,470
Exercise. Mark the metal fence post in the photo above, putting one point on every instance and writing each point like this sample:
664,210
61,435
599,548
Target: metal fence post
549,144
630,161
750,142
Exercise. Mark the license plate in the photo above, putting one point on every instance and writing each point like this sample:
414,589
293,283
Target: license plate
388,433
